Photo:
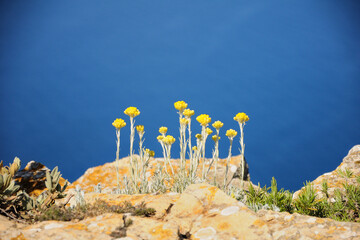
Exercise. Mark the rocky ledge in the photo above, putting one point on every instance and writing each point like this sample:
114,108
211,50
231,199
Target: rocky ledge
337,178
202,211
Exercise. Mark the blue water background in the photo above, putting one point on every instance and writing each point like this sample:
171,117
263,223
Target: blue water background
69,68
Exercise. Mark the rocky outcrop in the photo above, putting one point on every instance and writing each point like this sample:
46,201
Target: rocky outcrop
337,178
106,174
202,211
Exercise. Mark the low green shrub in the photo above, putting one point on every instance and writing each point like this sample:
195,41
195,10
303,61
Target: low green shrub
91,210
344,206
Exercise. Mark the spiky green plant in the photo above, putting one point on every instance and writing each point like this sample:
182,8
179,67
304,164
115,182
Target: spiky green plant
307,202
256,195
280,198
346,173
325,188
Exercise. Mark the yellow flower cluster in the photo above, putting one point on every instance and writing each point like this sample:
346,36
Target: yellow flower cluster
217,125
208,131
198,136
168,140
119,123
150,152
160,137
180,105
241,117
194,148
140,128
188,113
132,111
231,133
184,121
203,119
163,130
215,138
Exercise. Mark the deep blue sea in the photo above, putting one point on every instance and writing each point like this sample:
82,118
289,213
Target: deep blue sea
69,68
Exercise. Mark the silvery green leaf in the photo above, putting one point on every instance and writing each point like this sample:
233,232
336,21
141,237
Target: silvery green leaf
48,183
55,170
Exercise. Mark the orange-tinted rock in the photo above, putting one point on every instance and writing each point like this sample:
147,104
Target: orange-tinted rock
335,181
106,174
210,214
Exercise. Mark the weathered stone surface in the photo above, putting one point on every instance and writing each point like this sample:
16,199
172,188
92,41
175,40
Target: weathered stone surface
201,212
159,202
32,178
334,180
106,174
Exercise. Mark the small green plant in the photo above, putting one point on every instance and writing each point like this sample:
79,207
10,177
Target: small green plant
7,184
325,188
307,202
16,203
282,199
346,173
256,196
9,203
269,198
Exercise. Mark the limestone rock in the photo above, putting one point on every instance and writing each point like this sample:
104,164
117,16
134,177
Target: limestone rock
334,179
202,211
106,174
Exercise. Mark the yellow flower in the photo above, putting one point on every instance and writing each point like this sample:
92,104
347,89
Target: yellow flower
188,113
204,119
132,111
184,121
241,117
194,148
217,125
231,133
140,128
168,140
150,152
160,137
198,136
119,123
215,138
163,130
180,105
208,131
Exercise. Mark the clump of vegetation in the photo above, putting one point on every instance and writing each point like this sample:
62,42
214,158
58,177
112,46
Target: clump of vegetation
195,169
99,207
16,203
344,206
307,202
269,198
346,173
